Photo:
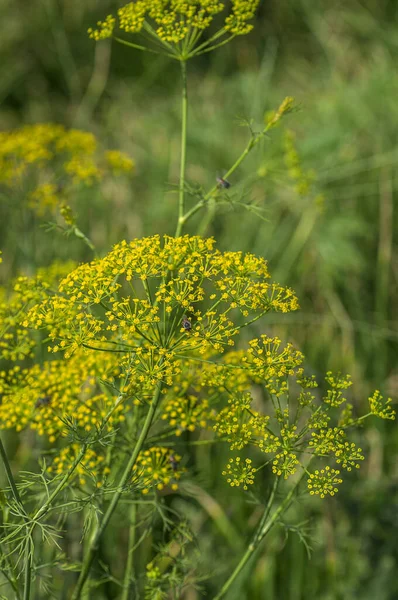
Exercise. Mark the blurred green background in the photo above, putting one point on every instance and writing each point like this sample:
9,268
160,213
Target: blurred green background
335,244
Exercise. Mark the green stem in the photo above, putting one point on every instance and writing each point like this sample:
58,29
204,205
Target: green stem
11,479
184,116
17,498
211,48
28,568
88,560
61,485
129,572
136,46
212,193
79,234
263,528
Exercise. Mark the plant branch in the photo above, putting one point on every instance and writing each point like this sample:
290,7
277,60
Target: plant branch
93,548
183,157
263,528
129,572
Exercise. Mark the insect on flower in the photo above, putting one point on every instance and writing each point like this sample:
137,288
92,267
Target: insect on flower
223,183
186,323
173,462
44,401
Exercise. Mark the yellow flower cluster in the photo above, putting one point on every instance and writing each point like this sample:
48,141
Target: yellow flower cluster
267,362
240,423
242,12
91,466
381,409
324,482
16,342
285,464
174,21
186,413
337,382
66,157
137,297
43,397
157,467
239,472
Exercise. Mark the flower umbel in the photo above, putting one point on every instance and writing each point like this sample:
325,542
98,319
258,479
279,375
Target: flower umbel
178,25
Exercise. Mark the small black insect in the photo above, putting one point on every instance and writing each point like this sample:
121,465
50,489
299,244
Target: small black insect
44,401
173,462
223,183
186,323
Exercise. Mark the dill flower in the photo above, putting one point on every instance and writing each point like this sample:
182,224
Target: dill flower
186,413
285,464
51,161
240,423
119,162
270,363
324,482
92,466
177,24
71,389
143,315
380,409
239,472
157,467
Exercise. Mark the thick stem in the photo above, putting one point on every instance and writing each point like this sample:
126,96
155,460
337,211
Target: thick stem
183,157
263,528
93,547
129,572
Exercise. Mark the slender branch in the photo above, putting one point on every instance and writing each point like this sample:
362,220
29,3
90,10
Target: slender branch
28,568
184,117
79,234
17,498
129,572
61,484
211,48
263,528
136,46
93,548
11,479
212,193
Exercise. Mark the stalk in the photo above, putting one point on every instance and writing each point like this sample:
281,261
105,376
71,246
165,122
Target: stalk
11,479
61,484
129,572
28,568
263,528
183,156
17,498
93,547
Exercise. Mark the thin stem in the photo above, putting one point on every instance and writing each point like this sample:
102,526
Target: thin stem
211,194
17,498
93,548
61,484
28,568
129,572
136,46
211,48
263,528
11,479
183,157
79,234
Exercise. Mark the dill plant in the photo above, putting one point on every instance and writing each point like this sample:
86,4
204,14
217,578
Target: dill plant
118,361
